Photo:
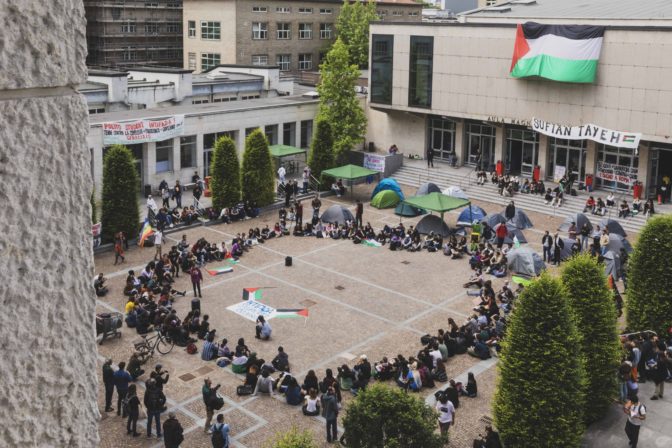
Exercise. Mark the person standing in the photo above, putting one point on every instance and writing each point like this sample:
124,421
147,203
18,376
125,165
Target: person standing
158,376
446,411
158,240
305,177
121,380
281,174
316,208
299,213
585,236
198,192
510,211
658,373
209,394
155,401
501,232
430,157
330,414
547,243
558,245
572,231
108,380
177,194
196,279
119,247
289,189
604,242
636,413
165,194
133,409
220,433
173,433
359,213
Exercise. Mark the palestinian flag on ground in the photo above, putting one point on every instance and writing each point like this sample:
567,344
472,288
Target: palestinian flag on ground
566,53
371,243
252,293
287,312
219,271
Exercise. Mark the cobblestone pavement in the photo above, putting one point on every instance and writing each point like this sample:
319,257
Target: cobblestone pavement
361,300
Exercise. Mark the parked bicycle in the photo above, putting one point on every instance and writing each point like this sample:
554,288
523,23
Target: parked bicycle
159,342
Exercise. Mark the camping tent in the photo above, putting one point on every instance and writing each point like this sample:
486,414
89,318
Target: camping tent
455,192
493,220
408,210
387,184
337,214
512,232
579,219
520,220
613,226
469,216
617,242
525,261
432,223
426,188
437,202
385,199
566,251
612,264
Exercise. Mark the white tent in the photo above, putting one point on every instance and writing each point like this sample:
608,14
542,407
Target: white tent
455,192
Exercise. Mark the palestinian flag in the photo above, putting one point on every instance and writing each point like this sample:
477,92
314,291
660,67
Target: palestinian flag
371,243
566,53
287,312
219,271
252,293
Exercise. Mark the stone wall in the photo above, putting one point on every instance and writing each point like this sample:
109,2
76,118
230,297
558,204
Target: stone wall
48,383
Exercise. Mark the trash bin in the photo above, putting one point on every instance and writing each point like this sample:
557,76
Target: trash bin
148,190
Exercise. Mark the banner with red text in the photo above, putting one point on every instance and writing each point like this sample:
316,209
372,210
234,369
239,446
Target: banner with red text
142,131
619,173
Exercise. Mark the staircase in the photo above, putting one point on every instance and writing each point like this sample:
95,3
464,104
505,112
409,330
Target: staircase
416,174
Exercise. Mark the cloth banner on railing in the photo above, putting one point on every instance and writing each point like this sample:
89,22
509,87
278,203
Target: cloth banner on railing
374,162
143,131
619,173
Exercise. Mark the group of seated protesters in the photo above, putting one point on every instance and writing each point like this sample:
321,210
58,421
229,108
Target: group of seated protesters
509,185
243,210
600,207
171,218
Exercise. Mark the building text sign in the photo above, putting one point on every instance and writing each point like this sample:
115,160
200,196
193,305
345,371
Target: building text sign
142,131
619,173
588,131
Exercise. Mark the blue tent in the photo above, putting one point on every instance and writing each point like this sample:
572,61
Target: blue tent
388,184
471,215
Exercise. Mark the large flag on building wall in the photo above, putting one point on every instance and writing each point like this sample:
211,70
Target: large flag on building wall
567,53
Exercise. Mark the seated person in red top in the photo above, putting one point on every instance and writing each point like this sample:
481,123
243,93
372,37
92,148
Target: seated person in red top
590,205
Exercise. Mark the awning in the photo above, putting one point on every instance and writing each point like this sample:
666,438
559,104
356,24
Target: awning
437,202
350,172
281,151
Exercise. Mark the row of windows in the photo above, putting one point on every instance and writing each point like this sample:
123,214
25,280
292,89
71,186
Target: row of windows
130,54
152,27
284,61
212,30
287,10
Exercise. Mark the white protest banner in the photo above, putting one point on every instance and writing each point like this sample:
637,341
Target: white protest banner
558,173
374,162
142,131
619,173
251,309
588,131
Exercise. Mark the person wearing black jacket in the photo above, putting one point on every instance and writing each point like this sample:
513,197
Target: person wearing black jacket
510,211
108,380
155,402
158,376
172,432
558,245
547,244
209,393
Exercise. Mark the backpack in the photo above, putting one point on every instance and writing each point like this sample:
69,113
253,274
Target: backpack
191,348
126,405
216,402
218,440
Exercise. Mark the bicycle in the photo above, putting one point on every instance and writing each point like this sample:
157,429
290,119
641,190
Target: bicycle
158,342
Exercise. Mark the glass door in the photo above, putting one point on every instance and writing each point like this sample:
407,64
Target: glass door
529,159
442,137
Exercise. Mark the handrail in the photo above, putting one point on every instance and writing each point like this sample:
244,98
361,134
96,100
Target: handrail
316,182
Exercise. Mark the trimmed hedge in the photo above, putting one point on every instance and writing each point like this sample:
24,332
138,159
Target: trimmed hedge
225,174
258,177
321,155
120,194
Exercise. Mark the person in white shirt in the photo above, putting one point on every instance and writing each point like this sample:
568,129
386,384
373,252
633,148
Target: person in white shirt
435,354
446,412
158,239
636,413
281,174
151,204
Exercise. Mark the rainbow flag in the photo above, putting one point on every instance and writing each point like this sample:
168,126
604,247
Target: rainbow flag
289,312
220,270
252,293
145,233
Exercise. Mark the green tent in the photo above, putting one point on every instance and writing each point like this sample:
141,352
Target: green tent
408,210
350,172
280,151
437,202
385,199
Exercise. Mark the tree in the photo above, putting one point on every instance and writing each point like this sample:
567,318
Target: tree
540,391
294,439
120,194
649,302
381,416
592,305
258,176
352,26
225,174
339,104
321,148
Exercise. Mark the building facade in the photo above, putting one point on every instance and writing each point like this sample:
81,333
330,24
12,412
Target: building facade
294,35
446,87
126,33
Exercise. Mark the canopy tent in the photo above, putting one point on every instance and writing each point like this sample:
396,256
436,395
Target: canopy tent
426,188
281,151
471,215
337,214
385,199
525,261
512,231
408,210
520,220
579,219
388,184
617,242
432,223
613,226
612,264
350,173
493,220
455,192
437,202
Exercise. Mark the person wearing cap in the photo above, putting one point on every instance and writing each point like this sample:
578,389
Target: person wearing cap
636,413
158,376
108,380
172,432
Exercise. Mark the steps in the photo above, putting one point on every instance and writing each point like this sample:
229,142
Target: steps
465,178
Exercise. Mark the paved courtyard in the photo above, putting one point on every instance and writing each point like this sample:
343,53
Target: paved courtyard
361,300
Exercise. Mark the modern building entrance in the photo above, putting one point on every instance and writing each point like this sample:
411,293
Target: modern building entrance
522,151
442,137
480,137
566,157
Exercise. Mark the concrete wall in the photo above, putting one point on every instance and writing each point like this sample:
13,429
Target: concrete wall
223,11
48,361
404,129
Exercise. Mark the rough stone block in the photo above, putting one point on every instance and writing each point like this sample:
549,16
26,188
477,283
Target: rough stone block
42,44
48,360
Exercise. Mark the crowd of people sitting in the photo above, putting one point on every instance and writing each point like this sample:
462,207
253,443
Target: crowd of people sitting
508,185
600,207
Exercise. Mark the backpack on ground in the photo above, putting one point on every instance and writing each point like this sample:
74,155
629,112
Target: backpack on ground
192,349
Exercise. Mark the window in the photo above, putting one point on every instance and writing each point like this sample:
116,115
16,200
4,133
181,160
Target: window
305,30
259,9
259,30
442,137
284,31
480,140
420,76
96,109
174,4
260,59
201,100
188,151
623,157
397,13
382,49
164,152
305,10
284,61
382,12
305,61
289,133
174,27
151,4
306,133
326,11
191,26
192,61
271,132
325,30
208,145
210,30
283,10
128,27
129,55
491,2
569,156
413,14
151,27
209,60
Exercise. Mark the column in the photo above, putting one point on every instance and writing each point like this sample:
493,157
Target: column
460,147
297,133
591,157
200,160
281,133
177,167
499,143
542,158
149,163
241,141
643,166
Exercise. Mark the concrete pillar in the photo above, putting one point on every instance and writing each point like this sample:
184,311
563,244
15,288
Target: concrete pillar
643,166
297,138
281,133
499,143
49,357
177,167
591,157
149,163
241,141
543,151
460,147
200,163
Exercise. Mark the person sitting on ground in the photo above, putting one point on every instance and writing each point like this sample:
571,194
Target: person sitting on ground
223,351
345,377
407,242
452,392
624,209
204,327
548,197
648,208
293,393
135,366
636,206
99,285
416,245
439,372
264,384
281,361
263,330
558,196
210,348
311,406
471,390
309,382
590,205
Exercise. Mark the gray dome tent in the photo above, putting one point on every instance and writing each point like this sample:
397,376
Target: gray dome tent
426,188
525,261
521,220
579,219
511,232
433,223
493,220
337,214
613,226
617,242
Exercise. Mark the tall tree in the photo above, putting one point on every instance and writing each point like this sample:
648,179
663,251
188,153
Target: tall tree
540,391
592,304
383,416
321,155
649,302
225,174
258,177
339,104
120,194
352,26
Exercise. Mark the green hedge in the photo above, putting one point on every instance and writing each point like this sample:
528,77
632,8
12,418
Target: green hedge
120,194
258,177
225,174
321,155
